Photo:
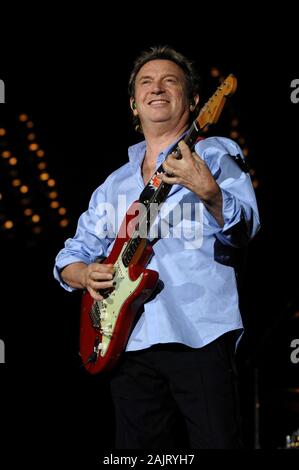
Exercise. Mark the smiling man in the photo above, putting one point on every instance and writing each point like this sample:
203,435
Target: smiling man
180,353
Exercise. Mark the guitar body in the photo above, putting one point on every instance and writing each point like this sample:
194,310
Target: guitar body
105,325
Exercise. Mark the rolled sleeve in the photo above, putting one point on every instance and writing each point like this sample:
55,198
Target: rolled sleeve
91,240
239,207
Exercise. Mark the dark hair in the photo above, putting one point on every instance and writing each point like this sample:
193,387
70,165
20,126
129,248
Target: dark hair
166,53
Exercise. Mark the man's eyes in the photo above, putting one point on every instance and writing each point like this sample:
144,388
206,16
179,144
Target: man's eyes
167,80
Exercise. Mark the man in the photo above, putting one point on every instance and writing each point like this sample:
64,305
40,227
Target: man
179,355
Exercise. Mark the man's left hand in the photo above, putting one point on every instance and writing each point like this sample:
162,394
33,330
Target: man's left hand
192,172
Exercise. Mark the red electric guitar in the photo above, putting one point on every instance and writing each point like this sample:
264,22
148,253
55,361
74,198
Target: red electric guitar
106,325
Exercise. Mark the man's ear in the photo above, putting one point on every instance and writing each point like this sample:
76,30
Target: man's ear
133,106
193,103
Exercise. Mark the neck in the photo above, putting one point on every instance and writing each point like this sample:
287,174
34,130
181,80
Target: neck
158,139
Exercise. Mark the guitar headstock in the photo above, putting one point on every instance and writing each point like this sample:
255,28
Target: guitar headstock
210,112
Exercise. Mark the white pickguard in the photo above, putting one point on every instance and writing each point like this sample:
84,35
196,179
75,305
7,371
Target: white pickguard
111,306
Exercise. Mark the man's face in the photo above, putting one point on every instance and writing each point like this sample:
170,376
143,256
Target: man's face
160,93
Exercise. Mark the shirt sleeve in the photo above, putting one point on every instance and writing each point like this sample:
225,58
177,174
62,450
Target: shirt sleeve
91,239
239,206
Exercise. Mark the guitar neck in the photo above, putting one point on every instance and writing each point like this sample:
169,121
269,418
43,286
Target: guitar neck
153,196
162,192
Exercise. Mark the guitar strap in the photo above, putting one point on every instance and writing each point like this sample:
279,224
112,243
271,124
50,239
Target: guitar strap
154,182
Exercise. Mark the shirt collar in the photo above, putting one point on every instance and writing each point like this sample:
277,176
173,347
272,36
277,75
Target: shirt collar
136,153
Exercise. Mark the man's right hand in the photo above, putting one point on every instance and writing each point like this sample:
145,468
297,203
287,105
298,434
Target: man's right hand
93,277
97,276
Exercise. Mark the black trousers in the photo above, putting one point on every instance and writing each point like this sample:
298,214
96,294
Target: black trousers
149,387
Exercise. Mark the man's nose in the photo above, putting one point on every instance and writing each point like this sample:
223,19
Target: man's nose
157,88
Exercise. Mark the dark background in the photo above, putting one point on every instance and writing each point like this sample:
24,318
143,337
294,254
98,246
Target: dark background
74,88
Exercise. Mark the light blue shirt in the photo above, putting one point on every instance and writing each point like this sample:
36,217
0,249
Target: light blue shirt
197,298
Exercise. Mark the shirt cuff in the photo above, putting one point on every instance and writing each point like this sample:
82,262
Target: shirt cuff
235,231
59,265
231,212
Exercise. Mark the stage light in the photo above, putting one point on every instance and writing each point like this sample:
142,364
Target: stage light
33,146
23,117
63,222
215,72
6,154
28,212
53,194
51,182
24,189
235,122
35,218
41,165
13,161
245,151
8,224
234,134
20,172
44,176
